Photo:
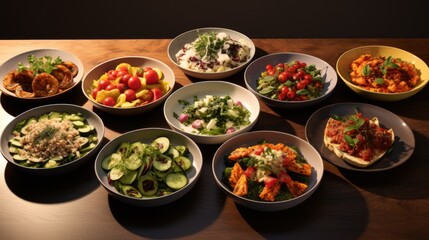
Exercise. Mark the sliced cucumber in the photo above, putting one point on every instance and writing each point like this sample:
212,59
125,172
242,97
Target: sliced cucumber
147,185
78,124
176,180
43,117
162,143
85,129
128,178
124,149
182,149
13,149
19,157
133,161
15,142
55,115
116,173
162,163
183,162
51,164
88,148
137,147
111,161
173,152
56,158
131,191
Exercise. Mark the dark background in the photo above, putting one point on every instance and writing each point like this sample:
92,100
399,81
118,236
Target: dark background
99,19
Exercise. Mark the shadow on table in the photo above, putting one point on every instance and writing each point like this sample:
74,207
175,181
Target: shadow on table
323,216
52,189
192,213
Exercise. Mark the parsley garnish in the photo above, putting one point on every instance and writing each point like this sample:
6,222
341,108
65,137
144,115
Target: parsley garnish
207,45
40,65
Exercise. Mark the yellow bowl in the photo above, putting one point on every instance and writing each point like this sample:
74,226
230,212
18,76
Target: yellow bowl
349,56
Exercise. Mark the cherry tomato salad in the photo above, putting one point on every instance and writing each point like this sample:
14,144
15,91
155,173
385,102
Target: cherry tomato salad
129,86
293,81
143,170
213,115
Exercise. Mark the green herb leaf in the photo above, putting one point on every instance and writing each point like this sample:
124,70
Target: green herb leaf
366,70
379,81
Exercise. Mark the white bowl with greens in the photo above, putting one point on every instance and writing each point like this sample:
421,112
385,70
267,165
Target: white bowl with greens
211,52
149,167
52,139
211,112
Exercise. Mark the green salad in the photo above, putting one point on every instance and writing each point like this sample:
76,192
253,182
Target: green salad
213,115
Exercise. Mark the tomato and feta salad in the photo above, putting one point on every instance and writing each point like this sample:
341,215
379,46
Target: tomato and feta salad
293,81
129,86
267,172
213,115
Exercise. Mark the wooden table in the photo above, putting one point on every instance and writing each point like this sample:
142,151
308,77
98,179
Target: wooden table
392,204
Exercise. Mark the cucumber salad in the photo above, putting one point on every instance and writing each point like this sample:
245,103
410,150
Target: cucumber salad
144,170
213,115
52,139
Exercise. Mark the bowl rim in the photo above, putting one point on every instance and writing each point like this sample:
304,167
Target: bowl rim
147,199
305,195
206,29
328,92
115,109
346,80
198,84
100,132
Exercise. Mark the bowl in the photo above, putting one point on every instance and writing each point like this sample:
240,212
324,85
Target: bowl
344,61
255,137
179,42
91,118
173,107
13,62
147,135
135,61
254,70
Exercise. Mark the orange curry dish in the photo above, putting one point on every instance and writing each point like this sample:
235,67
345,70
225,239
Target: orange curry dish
384,74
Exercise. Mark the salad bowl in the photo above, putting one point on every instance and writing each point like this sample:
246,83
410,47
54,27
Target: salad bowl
148,135
173,108
166,82
256,137
90,119
179,42
254,70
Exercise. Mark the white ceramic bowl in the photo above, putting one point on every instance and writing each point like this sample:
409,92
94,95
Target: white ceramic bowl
343,69
200,90
255,137
136,61
147,135
254,70
92,118
187,37
12,63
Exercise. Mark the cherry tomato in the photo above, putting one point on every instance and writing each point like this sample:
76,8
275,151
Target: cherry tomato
130,95
290,94
300,85
102,84
123,69
147,97
139,72
122,87
94,92
147,69
268,67
151,76
110,77
284,76
134,83
280,66
291,69
157,93
284,90
121,73
113,73
124,78
271,72
109,101
308,77
110,87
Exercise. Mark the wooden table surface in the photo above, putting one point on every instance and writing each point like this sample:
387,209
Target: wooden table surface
392,204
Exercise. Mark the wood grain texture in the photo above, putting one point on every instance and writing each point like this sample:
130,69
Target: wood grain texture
348,205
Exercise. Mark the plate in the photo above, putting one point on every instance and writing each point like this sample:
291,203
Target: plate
12,63
404,138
